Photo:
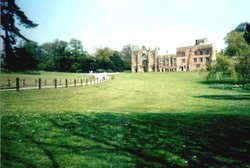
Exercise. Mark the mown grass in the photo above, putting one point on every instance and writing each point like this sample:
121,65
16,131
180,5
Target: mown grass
136,120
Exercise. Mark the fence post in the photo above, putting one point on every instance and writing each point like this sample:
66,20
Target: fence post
81,82
75,82
66,83
35,82
39,83
17,84
23,82
55,83
86,82
60,82
9,83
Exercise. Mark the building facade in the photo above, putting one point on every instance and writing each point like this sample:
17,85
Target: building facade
188,58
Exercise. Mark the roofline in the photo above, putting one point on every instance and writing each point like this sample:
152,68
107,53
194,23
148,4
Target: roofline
194,46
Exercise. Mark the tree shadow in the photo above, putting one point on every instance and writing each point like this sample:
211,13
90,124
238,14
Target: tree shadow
225,97
131,140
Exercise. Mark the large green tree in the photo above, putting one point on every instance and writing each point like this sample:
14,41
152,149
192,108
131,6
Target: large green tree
117,63
10,13
78,55
238,45
223,69
27,55
103,58
235,62
55,56
104,53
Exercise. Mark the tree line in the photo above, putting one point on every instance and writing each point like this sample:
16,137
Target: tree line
66,56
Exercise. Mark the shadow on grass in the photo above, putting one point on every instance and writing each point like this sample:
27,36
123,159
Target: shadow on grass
225,97
116,140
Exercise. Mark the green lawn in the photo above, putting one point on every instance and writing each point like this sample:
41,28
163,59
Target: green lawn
136,120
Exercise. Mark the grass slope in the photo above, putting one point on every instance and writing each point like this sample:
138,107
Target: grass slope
136,120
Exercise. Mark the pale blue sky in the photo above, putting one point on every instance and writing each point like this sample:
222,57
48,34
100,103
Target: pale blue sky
114,23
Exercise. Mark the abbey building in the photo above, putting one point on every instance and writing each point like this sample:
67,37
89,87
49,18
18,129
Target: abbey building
187,58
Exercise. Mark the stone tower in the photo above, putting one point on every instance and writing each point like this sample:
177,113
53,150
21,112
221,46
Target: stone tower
144,60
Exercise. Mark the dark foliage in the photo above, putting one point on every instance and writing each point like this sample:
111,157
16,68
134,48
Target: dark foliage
9,13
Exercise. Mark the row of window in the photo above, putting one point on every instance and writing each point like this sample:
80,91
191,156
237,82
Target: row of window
206,52
195,60
174,60
200,52
201,60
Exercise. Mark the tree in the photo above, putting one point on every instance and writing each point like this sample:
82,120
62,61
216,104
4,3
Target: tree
26,54
239,46
55,56
126,55
244,27
59,53
10,12
78,55
236,44
235,63
104,53
117,63
223,69
103,58
76,47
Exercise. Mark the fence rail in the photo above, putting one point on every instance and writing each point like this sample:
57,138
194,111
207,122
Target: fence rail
22,84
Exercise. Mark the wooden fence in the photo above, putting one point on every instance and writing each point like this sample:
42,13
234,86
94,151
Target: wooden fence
22,84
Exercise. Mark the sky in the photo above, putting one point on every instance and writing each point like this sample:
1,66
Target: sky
166,24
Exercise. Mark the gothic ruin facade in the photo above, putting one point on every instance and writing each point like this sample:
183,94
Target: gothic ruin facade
187,58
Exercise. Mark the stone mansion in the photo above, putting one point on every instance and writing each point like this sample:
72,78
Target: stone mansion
187,58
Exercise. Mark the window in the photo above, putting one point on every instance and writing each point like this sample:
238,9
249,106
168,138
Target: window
183,54
195,53
195,59
183,60
207,60
174,59
197,65
201,52
201,59
207,52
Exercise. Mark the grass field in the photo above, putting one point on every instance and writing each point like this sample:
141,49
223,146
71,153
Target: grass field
135,120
